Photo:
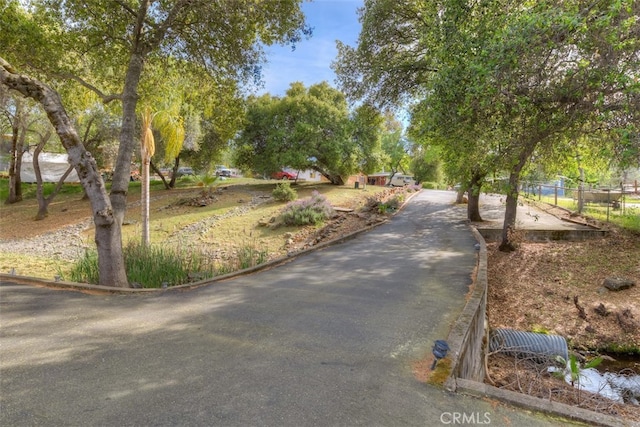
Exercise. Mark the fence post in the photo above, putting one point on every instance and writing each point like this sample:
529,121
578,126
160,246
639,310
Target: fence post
555,191
581,191
539,192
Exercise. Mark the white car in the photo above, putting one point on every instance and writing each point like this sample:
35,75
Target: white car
400,180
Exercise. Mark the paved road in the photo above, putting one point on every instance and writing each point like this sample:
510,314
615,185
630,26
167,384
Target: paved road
325,340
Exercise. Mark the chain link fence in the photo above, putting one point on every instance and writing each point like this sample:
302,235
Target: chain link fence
619,205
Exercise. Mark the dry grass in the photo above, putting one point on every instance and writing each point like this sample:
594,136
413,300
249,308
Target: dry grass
542,287
534,289
527,377
228,221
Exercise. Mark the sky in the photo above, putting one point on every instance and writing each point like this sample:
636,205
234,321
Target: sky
310,62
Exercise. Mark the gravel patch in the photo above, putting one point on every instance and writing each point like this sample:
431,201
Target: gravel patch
64,244
68,244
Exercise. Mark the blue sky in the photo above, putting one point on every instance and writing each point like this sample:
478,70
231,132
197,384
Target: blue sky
310,62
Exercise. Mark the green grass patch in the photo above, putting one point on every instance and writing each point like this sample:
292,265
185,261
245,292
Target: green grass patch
35,266
29,189
628,219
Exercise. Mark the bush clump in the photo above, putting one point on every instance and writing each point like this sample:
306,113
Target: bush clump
309,211
284,193
391,205
149,266
158,266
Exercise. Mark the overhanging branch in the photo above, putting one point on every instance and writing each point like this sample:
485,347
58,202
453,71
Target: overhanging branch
105,98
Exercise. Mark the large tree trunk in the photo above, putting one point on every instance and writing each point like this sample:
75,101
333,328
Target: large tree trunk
174,172
334,179
17,149
158,172
460,195
108,229
44,202
122,170
509,225
507,244
473,204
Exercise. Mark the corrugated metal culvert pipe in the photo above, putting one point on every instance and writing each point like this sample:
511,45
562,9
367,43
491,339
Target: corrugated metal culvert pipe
530,345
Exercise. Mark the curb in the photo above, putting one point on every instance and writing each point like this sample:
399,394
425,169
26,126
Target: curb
531,403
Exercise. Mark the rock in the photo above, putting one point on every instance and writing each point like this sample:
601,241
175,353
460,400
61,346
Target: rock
602,310
618,284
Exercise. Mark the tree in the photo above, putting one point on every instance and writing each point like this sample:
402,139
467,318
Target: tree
83,162
200,105
309,129
15,116
114,40
147,150
393,60
395,146
509,79
20,117
555,67
426,164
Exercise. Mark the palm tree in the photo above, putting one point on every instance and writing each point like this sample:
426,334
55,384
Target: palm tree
147,150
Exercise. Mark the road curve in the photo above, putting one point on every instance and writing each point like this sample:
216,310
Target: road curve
328,339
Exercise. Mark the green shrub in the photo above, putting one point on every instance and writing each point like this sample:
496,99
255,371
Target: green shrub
249,256
284,193
149,266
309,211
158,266
85,270
430,185
391,205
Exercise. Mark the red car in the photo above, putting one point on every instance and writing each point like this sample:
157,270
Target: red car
283,175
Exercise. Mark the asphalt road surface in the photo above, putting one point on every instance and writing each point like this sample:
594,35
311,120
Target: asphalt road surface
328,339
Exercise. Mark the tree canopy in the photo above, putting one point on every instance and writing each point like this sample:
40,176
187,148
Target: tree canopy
309,128
105,46
495,83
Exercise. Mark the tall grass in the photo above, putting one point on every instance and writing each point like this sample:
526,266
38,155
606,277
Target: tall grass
629,220
247,256
156,266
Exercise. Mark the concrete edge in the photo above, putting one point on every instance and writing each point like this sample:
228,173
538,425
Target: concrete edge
89,288
461,329
459,333
540,405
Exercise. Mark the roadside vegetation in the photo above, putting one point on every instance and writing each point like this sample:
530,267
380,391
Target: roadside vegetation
197,232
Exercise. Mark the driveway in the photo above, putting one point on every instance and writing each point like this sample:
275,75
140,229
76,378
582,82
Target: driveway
328,339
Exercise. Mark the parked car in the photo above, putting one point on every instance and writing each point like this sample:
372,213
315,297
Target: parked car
283,175
184,171
224,172
400,180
